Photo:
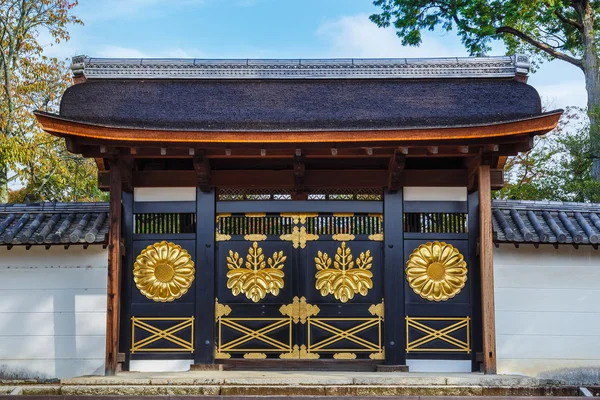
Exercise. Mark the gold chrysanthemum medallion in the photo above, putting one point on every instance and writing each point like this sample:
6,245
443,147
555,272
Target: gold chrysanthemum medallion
436,271
163,271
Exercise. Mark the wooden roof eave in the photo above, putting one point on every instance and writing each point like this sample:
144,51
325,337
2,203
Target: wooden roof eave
541,124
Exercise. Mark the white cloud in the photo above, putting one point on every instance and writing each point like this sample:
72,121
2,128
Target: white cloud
559,84
563,94
355,36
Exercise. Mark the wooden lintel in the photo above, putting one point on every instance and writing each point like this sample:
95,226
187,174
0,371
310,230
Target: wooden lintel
285,178
395,168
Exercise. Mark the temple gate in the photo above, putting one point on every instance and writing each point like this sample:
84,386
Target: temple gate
320,214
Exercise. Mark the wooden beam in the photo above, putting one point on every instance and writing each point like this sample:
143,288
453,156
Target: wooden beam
299,171
114,269
313,179
487,271
203,172
535,125
126,166
395,168
497,178
472,168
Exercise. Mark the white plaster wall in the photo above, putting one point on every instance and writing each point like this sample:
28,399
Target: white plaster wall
164,194
547,305
53,310
423,193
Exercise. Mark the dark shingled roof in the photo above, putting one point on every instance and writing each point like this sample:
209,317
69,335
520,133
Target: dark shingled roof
296,105
54,223
520,221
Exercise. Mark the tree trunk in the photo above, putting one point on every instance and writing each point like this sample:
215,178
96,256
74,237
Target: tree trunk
592,85
592,81
3,183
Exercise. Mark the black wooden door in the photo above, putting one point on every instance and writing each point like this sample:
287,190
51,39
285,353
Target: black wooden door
438,281
159,286
299,286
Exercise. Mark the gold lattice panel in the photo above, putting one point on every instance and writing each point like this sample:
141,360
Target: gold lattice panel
247,331
179,336
452,333
351,332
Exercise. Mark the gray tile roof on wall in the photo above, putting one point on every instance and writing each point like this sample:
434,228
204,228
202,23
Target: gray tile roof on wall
349,68
53,223
520,221
513,221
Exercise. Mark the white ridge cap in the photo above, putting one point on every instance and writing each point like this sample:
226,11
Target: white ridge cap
346,68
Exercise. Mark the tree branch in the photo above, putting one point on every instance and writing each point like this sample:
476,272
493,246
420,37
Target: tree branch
542,46
568,21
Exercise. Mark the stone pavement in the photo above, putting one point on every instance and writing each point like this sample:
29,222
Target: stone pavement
295,383
310,378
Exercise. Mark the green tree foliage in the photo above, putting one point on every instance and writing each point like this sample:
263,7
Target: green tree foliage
550,29
558,167
29,81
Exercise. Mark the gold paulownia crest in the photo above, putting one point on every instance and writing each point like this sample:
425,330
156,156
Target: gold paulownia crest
344,280
436,271
163,271
254,279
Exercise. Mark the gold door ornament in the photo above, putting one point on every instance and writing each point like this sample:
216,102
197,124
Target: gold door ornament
254,279
299,237
344,280
436,271
163,271
299,310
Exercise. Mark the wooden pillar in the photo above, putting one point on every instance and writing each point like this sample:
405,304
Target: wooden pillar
126,276
204,348
114,270
487,271
393,287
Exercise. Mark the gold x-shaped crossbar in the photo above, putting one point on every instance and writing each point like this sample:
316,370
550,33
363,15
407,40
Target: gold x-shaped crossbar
168,334
349,334
258,334
432,334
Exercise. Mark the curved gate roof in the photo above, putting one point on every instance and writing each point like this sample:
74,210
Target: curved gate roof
154,99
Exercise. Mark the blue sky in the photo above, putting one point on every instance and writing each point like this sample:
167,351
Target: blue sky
270,29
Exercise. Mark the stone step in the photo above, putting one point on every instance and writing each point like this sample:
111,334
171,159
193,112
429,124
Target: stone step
315,391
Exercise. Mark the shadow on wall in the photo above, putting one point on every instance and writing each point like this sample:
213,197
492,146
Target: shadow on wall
8,373
574,376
